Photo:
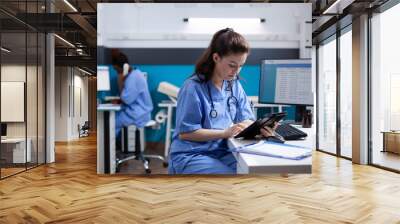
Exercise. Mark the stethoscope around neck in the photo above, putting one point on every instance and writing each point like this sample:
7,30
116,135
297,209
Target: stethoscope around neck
231,99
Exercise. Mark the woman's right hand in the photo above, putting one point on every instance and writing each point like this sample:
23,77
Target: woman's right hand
233,130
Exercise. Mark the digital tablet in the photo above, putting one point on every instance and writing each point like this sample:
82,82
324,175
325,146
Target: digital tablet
254,129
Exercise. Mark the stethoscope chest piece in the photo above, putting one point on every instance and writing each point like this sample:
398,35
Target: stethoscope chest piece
213,113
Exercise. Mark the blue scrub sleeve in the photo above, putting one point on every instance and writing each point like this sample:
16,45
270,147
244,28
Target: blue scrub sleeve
245,112
188,111
132,89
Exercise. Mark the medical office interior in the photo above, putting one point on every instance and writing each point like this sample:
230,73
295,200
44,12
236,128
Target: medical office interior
165,52
59,97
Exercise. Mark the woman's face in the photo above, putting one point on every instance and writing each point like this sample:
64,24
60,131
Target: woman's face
229,66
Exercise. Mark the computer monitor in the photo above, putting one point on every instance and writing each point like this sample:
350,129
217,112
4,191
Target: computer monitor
103,78
3,130
287,82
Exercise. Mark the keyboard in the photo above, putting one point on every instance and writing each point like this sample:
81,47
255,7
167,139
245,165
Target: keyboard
288,132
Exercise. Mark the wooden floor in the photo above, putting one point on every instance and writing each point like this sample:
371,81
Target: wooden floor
136,166
70,191
10,171
386,159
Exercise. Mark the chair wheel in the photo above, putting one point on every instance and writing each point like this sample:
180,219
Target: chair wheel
165,164
148,160
117,169
148,171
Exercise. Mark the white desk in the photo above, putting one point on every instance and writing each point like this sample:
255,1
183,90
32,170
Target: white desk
249,163
170,105
19,154
106,161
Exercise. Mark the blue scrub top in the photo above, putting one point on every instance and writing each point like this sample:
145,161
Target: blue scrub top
136,102
193,113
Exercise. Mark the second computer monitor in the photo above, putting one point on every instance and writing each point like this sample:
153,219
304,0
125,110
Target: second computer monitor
3,129
286,82
103,78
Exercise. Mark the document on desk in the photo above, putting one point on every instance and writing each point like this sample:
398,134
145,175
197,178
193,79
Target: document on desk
109,106
272,149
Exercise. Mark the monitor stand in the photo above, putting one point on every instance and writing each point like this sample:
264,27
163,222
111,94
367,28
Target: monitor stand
303,116
300,111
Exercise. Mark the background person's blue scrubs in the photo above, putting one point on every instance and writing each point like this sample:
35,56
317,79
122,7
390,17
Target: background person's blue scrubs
193,113
136,102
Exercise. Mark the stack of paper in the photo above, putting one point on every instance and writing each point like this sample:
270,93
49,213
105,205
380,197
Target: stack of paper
265,148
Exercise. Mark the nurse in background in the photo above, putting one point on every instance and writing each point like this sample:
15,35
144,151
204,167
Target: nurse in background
212,107
136,104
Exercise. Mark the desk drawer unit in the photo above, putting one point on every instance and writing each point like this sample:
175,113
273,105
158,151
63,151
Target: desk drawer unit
391,142
131,138
15,153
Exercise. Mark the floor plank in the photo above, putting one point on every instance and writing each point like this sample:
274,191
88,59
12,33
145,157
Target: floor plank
70,191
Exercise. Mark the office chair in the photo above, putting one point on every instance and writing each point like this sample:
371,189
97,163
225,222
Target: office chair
84,130
138,153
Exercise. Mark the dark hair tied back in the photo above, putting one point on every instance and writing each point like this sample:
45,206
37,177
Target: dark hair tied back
224,42
119,59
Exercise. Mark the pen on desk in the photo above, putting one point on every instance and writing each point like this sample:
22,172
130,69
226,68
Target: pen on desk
254,143
247,145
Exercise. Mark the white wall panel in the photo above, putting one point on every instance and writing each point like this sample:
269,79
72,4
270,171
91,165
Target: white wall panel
161,25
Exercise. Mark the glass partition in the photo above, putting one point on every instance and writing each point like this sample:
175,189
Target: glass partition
22,64
385,89
41,110
346,93
32,97
14,152
327,96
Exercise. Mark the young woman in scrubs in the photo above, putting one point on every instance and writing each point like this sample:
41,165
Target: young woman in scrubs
212,107
136,101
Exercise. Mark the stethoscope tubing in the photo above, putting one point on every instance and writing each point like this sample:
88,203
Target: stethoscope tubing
231,100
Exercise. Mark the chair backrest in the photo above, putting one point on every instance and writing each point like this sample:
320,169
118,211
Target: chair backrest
86,125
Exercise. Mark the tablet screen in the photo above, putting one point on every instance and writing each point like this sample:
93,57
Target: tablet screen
254,129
